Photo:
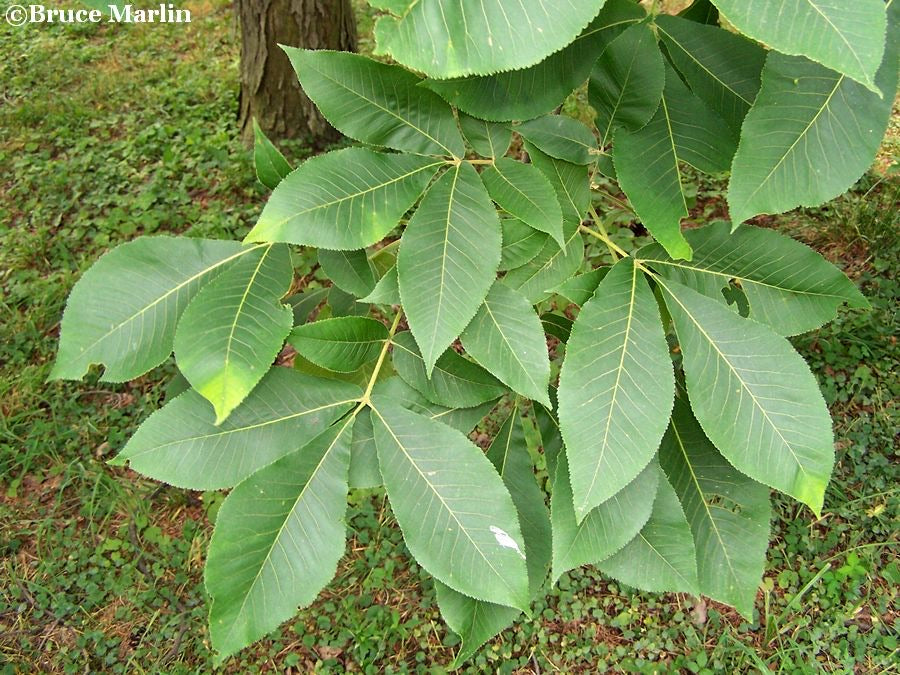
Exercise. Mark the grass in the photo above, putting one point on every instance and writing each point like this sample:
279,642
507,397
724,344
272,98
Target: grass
112,131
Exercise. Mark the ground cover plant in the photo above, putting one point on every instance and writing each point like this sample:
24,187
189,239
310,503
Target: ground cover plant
595,254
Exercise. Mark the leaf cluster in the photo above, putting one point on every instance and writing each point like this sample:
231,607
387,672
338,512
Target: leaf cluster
471,269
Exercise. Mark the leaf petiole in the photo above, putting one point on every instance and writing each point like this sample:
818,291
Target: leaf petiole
364,401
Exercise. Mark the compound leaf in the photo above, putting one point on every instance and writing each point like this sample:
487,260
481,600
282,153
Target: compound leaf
377,103
728,512
448,260
616,387
181,445
754,396
346,200
506,338
789,286
457,517
479,37
278,538
232,331
122,313
343,344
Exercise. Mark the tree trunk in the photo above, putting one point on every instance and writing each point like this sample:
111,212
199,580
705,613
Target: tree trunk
270,91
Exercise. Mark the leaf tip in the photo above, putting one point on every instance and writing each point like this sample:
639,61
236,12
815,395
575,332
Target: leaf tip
118,460
811,491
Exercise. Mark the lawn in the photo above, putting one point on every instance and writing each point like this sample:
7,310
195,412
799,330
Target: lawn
108,132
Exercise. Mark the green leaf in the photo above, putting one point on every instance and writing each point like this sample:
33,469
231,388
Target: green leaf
560,137
571,182
789,286
476,621
123,311
347,199
475,37
271,166
754,396
345,304
377,103
448,260
662,557
386,291
648,161
551,439
509,454
278,538
455,381
521,243
364,471
701,11
627,82
529,92
616,387
553,265
722,68
550,267
461,419
488,139
557,325
176,386
728,512
343,344
303,303
579,289
522,191
506,338
181,445
233,329
810,135
606,528
350,271
845,36
457,518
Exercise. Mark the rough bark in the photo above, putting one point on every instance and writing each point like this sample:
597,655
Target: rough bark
270,91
